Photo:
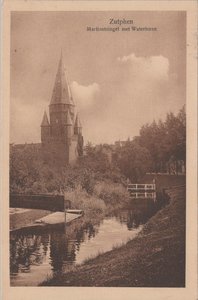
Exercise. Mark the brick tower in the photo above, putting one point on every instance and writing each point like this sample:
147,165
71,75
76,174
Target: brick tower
61,135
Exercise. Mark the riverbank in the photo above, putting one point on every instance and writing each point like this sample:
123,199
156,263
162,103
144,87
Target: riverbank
106,198
155,258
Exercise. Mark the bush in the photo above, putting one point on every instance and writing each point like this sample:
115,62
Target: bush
80,199
113,194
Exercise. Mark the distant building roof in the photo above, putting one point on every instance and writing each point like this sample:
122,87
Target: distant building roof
120,143
27,145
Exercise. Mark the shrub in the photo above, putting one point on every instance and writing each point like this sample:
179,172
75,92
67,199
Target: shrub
80,199
112,193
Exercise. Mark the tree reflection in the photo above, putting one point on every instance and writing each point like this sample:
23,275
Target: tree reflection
137,214
27,250
64,247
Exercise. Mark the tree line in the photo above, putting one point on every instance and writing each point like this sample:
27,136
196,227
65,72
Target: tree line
159,148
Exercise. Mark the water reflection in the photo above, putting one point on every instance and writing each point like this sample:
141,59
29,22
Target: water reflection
31,249
27,250
138,213
34,254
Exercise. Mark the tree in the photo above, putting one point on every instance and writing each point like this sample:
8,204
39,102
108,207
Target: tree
133,160
165,141
176,136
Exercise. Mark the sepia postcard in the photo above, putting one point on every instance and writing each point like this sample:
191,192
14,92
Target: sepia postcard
99,150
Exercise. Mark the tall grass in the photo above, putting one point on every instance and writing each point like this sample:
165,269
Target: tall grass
80,199
106,197
113,194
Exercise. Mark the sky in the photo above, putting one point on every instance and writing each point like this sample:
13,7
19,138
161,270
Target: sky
119,80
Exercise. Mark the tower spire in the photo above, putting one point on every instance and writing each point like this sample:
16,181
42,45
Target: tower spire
45,121
61,91
61,136
69,121
77,125
77,122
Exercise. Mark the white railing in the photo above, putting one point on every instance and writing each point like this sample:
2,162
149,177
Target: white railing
146,186
143,195
142,191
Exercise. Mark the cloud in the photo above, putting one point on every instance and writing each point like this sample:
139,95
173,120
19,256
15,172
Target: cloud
85,95
136,91
154,67
133,91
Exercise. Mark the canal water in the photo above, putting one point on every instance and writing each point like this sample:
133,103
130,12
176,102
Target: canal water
35,256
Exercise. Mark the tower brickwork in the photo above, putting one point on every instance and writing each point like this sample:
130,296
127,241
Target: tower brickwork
61,135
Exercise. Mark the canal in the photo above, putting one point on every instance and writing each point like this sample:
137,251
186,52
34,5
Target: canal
37,255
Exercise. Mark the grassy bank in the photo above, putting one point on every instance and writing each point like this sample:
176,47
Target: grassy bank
155,258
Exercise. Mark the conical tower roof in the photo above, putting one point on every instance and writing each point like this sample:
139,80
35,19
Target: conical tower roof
61,93
77,122
45,121
69,121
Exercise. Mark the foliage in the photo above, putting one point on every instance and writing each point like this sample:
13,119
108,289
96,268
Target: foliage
158,146
113,194
133,160
30,174
166,141
80,199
